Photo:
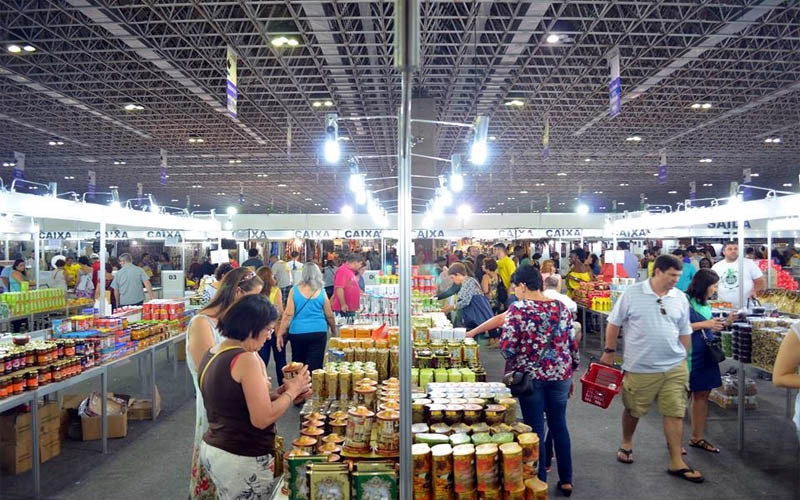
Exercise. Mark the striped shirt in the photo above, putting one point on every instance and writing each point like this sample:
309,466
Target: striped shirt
652,339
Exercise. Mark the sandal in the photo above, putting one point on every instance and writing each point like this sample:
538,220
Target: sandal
622,452
682,473
704,445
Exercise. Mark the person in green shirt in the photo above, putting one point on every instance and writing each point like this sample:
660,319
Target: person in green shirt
688,271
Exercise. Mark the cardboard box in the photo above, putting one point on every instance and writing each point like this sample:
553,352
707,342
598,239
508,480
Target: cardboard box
141,409
17,426
117,418
16,440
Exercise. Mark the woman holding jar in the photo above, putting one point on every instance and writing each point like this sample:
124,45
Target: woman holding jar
201,335
238,449
704,374
538,338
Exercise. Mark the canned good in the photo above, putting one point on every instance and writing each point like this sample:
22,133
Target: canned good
388,432
464,468
529,442
486,467
359,430
442,464
512,467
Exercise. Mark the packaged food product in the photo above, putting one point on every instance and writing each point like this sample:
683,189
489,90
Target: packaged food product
431,438
486,467
494,414
442,461
375,485
421,466
359,430
511,456
464,468
387,441
535,489
329,480
529,442
459,439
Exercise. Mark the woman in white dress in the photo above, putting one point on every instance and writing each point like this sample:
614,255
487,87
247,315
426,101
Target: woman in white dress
201,335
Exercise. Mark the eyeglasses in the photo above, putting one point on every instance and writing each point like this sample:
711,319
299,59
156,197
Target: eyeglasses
661,307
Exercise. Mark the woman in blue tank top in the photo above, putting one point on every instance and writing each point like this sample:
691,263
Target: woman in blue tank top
307,318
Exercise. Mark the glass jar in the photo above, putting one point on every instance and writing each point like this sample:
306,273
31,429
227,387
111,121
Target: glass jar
60,349
53,353
30,356
41,356
31,380
5,388
21,355
15,361
17,384
57,374
43,374
80,347
69,348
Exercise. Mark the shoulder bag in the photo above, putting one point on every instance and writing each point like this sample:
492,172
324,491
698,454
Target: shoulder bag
714,346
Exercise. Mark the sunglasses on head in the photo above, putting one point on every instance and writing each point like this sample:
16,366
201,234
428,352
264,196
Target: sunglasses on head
661,306
247,277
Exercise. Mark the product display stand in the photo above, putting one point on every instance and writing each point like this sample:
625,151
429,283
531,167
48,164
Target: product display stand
103,372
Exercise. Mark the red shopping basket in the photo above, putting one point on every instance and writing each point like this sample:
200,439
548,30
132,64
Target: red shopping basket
595,384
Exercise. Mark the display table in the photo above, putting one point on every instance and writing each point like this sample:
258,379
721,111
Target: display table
102,371
603,318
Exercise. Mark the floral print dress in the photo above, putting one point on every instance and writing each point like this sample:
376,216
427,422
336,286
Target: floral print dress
538,338
200,485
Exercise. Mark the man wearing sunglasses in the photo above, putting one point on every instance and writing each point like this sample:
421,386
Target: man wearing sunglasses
654,316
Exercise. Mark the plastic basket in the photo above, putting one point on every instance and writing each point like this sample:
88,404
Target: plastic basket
595,384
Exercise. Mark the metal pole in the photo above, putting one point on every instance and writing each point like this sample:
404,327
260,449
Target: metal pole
383,256
37,247
406,58
104,405
101,273
37,487
769,253
742,303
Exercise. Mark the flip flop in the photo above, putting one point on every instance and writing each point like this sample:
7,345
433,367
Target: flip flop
681,473
704,445
628,459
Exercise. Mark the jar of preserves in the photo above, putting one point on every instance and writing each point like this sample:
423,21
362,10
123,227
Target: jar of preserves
31,380
15,358
22,359
53,353
42,374
4,388
80,346
57,374
69,348
41,356
60,349
30,356
17,384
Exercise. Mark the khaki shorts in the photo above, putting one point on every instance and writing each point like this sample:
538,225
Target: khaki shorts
669,389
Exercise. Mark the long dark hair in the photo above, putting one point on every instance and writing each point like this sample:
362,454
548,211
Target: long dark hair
238,279
699,285
16,263
247,317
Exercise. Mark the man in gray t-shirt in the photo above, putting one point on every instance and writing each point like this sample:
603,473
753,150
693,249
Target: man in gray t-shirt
654,317
128,283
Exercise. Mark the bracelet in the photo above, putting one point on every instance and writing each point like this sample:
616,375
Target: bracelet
291,399
609,351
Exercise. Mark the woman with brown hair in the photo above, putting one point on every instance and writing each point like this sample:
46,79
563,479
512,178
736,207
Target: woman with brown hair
201,335
273,293
549,269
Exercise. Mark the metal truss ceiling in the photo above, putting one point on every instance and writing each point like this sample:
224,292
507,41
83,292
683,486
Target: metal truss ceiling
96,56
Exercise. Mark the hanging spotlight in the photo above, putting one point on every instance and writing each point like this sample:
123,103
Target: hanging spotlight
232,211
480,149
331,148
582,209
456,178
361,197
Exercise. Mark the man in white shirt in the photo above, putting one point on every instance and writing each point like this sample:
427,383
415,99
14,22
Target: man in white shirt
728,271
551,292
654,317
296,267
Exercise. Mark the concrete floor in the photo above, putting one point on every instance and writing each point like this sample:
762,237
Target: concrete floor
153,461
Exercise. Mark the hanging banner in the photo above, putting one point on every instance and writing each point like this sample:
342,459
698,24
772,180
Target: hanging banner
546,138
92,184
614,85
662,167
232,87
163,177
19,166
139,189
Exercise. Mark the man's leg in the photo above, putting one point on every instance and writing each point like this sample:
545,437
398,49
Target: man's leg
673,430
629,423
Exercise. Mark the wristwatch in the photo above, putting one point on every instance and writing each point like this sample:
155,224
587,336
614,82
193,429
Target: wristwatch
609,351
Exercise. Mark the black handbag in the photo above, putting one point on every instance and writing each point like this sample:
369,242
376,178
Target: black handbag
714,346
520,383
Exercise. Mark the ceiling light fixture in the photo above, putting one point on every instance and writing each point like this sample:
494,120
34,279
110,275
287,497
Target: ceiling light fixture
231,211
523,192
755,175
456,177
282,40
119,162
515,102
281,185
9,164
587,160
706,105
620,203
220,194
701,105
561,174
196,139
492,138
133,107
331,149
672,192
309,199
552,38
196,186
69,177
773,140
234,161
705,160
174,201
479,151
633,138
113,187
582,209
598,192
624,184
787,184
14,49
